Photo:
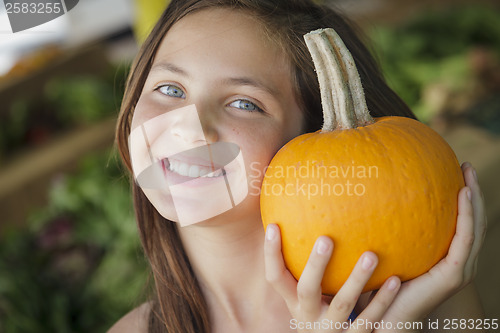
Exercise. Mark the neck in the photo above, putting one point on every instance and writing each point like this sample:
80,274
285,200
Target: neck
227,258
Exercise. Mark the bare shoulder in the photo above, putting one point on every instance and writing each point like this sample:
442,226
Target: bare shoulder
136,321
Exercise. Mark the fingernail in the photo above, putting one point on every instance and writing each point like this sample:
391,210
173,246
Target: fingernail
270,233
474,174
367,262
469,195
393,284
322,247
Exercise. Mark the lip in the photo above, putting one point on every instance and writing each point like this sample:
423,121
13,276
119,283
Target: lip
217,156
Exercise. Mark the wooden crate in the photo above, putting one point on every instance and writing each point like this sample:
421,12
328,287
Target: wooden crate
26,177
24,181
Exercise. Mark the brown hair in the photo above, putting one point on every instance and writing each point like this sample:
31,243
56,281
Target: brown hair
179,305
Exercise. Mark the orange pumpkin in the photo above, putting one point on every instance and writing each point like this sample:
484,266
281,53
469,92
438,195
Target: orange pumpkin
388,185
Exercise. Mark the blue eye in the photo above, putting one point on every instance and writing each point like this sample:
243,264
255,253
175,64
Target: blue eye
245,105
172,91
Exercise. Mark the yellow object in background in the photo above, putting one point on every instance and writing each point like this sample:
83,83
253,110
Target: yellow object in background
147,13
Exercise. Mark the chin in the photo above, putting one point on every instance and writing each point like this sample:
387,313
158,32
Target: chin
163,203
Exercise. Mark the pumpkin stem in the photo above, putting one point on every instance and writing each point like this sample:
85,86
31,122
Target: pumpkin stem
342,96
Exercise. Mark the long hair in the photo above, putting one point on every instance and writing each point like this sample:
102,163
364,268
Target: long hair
179,305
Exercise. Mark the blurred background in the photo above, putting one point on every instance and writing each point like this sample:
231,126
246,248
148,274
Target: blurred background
70,259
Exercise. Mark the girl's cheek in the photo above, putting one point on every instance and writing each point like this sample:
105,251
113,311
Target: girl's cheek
143,111
149,106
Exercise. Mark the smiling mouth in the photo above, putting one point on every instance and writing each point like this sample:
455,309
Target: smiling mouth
192,171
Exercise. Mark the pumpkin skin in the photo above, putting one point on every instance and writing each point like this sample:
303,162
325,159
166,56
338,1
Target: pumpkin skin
404,207
402,204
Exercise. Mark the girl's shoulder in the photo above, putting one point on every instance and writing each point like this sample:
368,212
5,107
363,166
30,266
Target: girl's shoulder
136,321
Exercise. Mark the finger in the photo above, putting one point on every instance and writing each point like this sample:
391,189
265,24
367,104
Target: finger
471,181
309,286
345,300
463,240
383,299
477,202
276,272
465,166
479,216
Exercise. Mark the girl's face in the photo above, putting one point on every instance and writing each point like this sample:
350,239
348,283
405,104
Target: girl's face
219,63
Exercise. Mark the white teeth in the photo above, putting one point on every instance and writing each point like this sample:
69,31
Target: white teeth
193,171
183,169
216,173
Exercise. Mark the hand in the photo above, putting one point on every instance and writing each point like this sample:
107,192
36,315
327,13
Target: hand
418,297
304,299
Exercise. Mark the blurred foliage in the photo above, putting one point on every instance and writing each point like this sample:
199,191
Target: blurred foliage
66,102
79,267
435,50
80,99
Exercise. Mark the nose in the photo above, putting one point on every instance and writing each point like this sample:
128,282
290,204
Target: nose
195,126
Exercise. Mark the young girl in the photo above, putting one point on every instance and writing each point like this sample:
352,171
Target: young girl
244,65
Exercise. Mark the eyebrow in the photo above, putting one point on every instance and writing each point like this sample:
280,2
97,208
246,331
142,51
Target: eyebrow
166,66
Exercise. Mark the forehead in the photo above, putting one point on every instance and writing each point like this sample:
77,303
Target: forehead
223,20
227,32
